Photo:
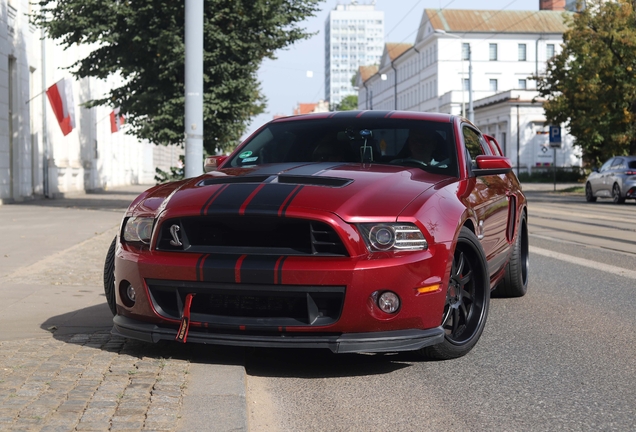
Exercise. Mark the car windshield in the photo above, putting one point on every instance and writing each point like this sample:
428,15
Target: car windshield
414,143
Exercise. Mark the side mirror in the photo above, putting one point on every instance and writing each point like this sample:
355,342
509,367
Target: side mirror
595,169
492,165
212,162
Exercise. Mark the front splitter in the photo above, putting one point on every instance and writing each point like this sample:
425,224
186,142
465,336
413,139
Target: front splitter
389,341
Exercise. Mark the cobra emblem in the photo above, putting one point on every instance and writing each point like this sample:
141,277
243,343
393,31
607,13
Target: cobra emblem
174,230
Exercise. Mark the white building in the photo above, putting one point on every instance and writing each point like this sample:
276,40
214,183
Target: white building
506,49
354,36
36,159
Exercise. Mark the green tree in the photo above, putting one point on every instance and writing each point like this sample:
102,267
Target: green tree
591,85
348,103
142,41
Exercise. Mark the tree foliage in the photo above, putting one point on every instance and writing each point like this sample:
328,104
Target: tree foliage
591,85
348,103
142,41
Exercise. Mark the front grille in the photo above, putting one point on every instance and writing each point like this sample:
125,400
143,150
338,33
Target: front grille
257,235
262,306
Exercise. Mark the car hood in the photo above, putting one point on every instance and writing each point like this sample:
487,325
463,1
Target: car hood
354,192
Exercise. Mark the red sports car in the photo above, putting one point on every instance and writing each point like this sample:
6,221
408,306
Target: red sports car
363,231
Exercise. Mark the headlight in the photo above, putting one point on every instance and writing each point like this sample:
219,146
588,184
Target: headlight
138,229
393,236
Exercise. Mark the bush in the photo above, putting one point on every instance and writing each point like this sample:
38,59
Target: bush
574,174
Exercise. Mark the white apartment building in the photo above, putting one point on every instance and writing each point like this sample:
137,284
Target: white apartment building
36,159
504,50
354,36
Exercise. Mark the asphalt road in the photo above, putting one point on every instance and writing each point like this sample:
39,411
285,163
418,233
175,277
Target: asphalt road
561,358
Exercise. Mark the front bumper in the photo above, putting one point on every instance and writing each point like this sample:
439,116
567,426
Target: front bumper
387,341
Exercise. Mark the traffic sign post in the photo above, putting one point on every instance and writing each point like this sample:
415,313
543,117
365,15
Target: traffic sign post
555,143
555,136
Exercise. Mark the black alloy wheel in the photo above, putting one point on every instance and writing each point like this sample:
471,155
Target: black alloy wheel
467,300
616,194
109,277
589,195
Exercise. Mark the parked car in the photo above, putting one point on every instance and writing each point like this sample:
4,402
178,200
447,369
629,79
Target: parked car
354,231
615,179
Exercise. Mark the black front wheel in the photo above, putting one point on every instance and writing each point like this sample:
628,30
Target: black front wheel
467,300
589,195
616,194
109,277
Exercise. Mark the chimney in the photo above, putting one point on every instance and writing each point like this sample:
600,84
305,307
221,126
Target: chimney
553,5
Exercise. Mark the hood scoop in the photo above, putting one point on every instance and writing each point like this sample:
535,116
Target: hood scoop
334,182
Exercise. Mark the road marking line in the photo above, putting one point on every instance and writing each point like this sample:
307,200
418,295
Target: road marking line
591,216
584,262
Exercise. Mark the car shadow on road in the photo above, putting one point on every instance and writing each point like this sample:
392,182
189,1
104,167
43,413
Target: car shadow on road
289,362
322,363
98,320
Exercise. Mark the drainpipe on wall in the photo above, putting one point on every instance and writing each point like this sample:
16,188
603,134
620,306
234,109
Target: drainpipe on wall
395,87
366,91
518,140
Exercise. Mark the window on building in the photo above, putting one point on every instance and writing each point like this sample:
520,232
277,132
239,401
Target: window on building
465,51
522,52
492,52
522,84
549,51
493,85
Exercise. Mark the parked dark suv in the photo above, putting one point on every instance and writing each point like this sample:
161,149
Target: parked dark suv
616,179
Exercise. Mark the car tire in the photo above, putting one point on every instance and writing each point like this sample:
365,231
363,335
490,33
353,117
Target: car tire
515,281
616,194
467,300
109,277
589,195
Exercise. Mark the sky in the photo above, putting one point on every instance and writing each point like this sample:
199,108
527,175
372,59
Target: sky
285,81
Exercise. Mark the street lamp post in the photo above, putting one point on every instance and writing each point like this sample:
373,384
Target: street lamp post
471,112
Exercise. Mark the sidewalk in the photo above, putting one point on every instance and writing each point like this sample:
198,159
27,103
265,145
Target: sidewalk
60,368
549,187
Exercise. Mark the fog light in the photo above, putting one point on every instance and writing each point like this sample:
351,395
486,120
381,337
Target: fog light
389,302
130,292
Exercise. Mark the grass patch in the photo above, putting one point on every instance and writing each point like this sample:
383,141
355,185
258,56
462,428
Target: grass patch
573,189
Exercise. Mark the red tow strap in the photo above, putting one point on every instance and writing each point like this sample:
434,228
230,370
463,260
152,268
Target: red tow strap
182,334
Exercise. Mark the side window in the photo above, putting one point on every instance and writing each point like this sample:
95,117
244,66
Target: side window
606,165
617,164
474,143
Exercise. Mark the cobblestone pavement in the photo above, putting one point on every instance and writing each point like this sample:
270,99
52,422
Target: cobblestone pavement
89,382
74,377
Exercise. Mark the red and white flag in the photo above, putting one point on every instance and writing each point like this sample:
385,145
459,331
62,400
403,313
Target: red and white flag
116,120
60,96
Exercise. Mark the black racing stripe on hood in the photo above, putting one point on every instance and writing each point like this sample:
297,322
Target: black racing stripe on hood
210,199
283,210
220,268
271,195
232,198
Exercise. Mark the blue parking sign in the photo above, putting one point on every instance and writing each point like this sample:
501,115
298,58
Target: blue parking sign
555,136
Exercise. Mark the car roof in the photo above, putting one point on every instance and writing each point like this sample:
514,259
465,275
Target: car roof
402,115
